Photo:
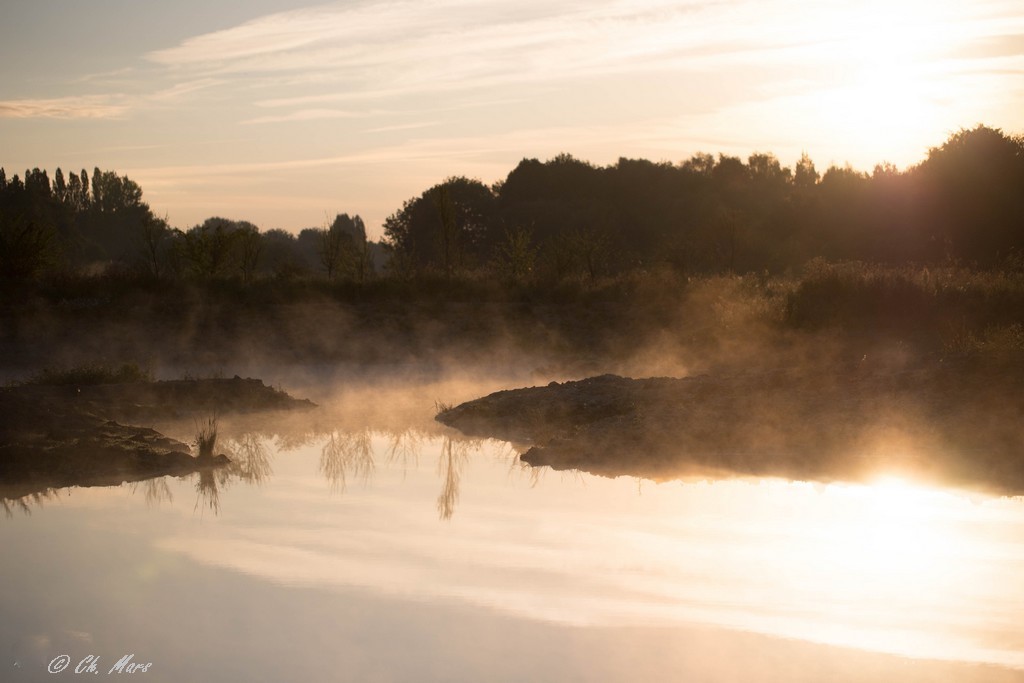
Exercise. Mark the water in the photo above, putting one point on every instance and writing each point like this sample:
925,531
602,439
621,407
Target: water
359,547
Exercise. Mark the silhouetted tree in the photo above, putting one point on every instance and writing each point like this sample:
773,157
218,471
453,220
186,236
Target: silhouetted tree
250,248
209,248
155,238
342,247
805,177
26,248
972,189
517,254
60,188
444,228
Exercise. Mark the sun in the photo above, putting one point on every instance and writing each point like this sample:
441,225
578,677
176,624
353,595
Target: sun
887,87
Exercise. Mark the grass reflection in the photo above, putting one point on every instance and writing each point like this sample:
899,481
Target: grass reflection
208,491
24,504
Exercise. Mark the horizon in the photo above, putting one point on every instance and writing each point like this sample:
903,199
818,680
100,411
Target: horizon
286,116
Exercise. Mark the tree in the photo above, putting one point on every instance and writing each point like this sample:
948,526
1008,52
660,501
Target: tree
250,247
155,238
280,255
26,248
517,254
111,223
209,248
805,176
447,235
85,199
971,189
330,249
60,188
74,193
448,227
337,242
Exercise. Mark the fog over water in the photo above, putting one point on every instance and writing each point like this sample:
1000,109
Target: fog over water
365,540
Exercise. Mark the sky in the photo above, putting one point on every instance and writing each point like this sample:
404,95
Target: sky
285,114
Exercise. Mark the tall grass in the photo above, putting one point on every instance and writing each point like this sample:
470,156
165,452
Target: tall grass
946,301
206,436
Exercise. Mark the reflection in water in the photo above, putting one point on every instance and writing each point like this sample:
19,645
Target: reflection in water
208,491
889,567
25,503
349,455
155,491
346,455
404,446
454,455
250,458
250,463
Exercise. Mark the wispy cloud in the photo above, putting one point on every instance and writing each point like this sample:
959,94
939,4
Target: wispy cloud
186,88
396,47
403,126
76,107
390,49
303,115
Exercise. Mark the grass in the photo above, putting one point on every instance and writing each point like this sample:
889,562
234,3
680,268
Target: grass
91,374
206,436
950,302
948,309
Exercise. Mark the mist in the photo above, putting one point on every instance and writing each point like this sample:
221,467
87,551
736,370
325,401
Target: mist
517,369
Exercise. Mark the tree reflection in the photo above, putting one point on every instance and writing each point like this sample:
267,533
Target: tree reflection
154,491
346,455
250,458
404,446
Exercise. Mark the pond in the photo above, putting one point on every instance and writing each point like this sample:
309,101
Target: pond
366,543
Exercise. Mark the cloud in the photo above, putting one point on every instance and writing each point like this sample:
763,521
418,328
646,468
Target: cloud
402,126
401,49
396,47
303,115
75,107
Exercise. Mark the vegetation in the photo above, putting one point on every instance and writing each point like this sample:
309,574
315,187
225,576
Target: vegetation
91,374
562,257
206,437
558,219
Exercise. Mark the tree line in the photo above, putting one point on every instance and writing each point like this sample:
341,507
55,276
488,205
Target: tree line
562,218
80,223
963,204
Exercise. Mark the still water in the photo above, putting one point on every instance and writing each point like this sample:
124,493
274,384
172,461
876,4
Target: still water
356,547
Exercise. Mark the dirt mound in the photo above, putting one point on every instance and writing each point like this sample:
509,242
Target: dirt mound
55,436
951,424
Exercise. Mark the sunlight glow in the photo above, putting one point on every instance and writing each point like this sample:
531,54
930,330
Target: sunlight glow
894,536
335,96
886,92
